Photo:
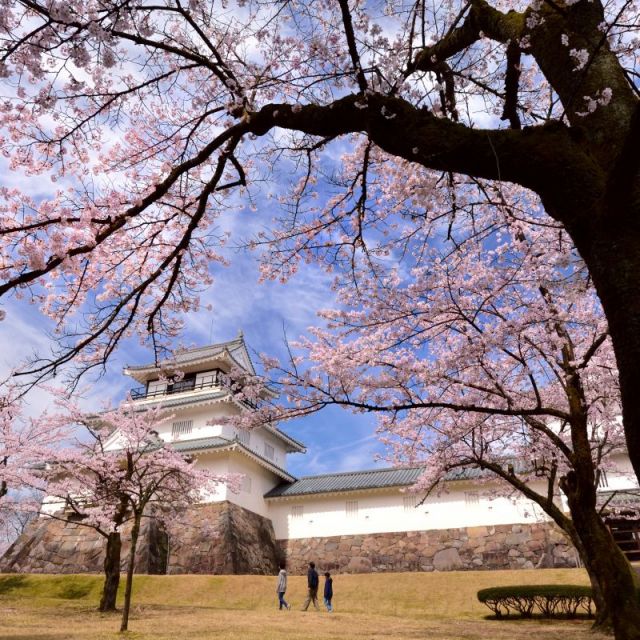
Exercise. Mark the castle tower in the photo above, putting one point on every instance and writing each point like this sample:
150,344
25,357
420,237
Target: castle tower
194,389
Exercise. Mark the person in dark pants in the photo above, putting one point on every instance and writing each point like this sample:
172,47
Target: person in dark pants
312,584
281,587
328,591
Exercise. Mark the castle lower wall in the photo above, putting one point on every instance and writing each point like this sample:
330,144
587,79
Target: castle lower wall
515,546
55,546
220,538
223,538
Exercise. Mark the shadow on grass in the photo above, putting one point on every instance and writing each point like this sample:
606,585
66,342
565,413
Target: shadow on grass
73,590
9,583
538,617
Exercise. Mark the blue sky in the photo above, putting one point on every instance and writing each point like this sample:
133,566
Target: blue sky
337,440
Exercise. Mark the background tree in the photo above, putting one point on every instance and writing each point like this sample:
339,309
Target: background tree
15,515
25,444
490,354
121,475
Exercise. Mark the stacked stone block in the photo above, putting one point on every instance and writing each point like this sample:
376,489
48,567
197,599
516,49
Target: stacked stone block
515,546
220,538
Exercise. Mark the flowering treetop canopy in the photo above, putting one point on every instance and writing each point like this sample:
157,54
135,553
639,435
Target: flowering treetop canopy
150,118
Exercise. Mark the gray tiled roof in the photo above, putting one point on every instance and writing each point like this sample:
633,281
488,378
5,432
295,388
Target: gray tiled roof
351,481
198,444
373,479
619,498
475,473
467,473
216,442
198,353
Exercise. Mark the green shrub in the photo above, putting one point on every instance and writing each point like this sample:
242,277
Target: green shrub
548,600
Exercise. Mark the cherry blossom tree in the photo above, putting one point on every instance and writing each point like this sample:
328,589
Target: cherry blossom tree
25,443
154,120
150,119
486,347
16,513
122,474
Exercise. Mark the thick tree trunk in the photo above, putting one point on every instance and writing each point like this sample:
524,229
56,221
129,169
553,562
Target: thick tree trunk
605,562
612,254
606,231
603,616
135,531
602,620
111,572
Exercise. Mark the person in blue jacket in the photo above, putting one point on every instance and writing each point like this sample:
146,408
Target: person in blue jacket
312,583
328,591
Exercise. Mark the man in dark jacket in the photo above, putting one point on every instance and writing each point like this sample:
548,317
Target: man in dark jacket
312,584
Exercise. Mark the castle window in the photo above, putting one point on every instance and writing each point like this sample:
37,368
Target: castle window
181,428
269,451
297,511
186,383
410,502
246,484
244,437
471,497
351,508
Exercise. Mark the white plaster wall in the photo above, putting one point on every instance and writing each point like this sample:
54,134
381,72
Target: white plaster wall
201,416
257,440
380,512
262,480
51,504
620,475
249,497
218,464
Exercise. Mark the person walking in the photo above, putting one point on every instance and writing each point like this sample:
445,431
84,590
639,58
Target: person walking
281,587
312,583
328,591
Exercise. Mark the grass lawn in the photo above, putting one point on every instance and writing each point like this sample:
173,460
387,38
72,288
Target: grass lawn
438,606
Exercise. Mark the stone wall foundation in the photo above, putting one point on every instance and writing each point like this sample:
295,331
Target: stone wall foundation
220,538
223,538
517,546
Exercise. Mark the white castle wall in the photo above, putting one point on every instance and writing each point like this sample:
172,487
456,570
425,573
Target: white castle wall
621,476
385,511
256,482
467,504
201,418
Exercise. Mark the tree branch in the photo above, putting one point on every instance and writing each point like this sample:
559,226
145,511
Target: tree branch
512,78
351,42
482,19
525,157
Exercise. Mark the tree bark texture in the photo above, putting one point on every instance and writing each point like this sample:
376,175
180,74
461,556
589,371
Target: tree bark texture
135,532
111,572
604,559
610,245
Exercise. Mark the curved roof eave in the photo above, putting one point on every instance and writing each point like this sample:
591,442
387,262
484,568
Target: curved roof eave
218,444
